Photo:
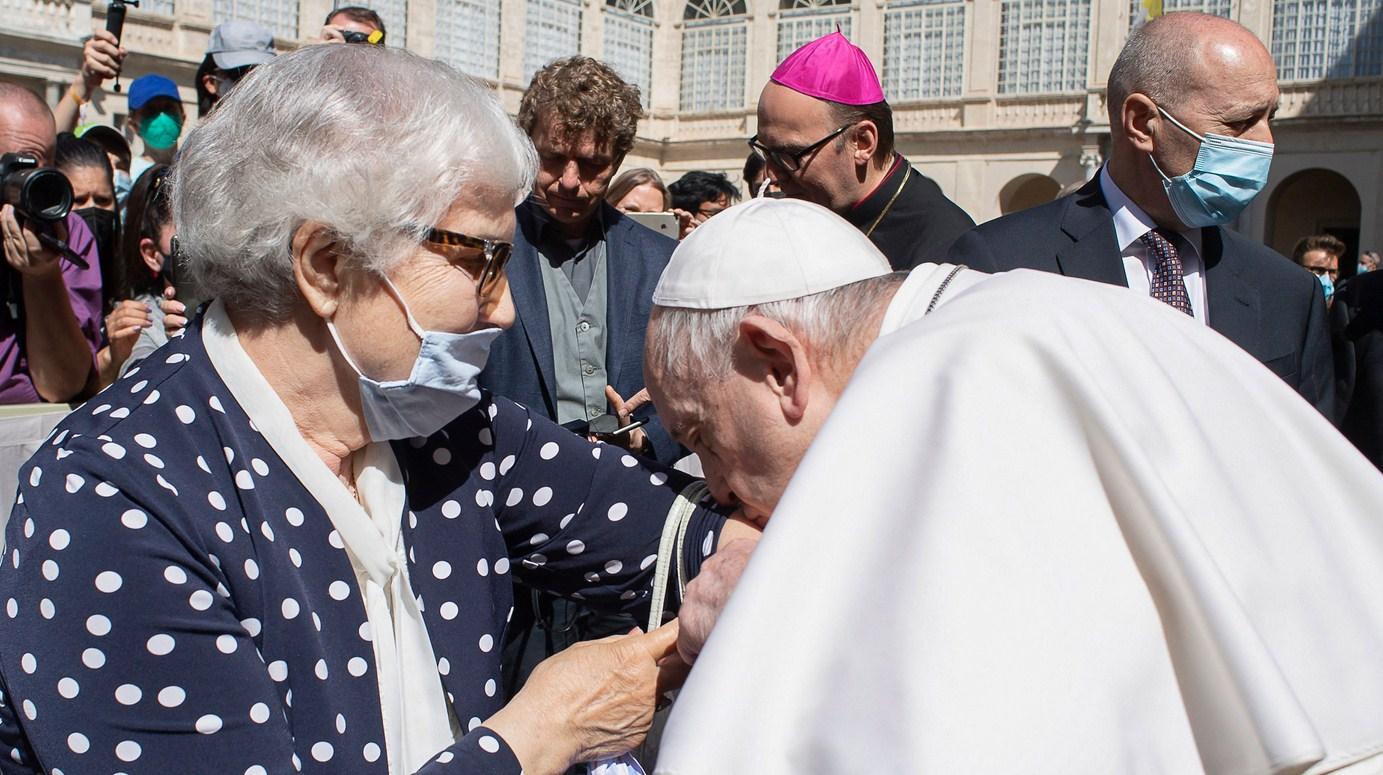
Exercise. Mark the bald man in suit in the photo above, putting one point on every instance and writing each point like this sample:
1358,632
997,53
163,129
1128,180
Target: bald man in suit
1180,78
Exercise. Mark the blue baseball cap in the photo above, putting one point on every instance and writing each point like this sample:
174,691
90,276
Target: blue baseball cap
148,87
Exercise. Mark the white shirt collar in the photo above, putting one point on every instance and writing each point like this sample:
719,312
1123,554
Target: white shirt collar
1130,222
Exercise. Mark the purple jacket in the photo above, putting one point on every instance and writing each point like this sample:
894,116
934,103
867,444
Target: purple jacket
84,293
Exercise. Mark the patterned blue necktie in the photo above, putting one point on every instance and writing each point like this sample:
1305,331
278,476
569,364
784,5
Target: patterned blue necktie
1167,283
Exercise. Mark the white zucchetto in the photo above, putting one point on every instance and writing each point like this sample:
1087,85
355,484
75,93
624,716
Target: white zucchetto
766,250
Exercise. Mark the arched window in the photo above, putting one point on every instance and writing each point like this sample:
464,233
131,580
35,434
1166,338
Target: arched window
629,42
1315,39
713,55
924,49
802,21
278,16
551,30
393,12
468,36
1044,46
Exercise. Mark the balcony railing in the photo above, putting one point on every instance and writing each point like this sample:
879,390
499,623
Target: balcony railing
61,19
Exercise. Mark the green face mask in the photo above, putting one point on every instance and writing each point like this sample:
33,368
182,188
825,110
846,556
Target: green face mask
160,131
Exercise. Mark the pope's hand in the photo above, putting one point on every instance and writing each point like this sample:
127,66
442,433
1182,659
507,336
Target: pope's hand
707,594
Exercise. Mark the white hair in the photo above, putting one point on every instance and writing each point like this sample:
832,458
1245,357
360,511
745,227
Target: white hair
698,344
375,142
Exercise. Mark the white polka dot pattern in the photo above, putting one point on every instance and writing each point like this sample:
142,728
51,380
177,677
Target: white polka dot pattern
189,581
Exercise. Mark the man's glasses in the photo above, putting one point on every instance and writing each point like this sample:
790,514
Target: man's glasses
791,161
485,268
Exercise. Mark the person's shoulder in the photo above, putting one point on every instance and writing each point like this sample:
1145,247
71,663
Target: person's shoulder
1042,219
168,389
146,438
1264,267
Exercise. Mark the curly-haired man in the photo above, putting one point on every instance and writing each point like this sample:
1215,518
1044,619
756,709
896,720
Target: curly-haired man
582,278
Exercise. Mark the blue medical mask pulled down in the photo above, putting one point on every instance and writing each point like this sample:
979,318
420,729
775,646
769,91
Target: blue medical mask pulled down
1327,284
1228,173
441,386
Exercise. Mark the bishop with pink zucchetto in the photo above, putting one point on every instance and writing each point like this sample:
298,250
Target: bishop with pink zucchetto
826,132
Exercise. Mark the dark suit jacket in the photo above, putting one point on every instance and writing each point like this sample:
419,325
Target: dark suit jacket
521,365
1358,319
1257,298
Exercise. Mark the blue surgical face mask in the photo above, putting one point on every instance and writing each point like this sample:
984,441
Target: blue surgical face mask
1327,284
1228,173
123,184
441,386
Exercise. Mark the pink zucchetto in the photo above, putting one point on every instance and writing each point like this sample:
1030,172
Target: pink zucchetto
831,68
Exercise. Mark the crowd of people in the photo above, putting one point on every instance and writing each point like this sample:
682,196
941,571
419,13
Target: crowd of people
409,436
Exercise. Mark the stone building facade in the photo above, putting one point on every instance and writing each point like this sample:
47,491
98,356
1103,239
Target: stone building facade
1001,101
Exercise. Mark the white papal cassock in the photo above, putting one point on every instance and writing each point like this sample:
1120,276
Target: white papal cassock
1053,527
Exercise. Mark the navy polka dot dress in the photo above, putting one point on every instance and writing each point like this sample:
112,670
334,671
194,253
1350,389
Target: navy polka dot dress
174,599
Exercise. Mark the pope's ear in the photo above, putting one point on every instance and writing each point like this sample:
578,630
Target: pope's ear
779,361
317,267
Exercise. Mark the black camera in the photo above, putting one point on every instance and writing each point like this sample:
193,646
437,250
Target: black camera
375,37
40,193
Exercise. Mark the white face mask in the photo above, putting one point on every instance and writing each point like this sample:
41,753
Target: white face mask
440,388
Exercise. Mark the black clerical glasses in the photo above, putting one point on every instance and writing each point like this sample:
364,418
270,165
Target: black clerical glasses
485,268
792,160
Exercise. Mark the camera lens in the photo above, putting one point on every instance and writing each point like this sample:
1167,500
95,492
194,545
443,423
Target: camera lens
42,193
46,194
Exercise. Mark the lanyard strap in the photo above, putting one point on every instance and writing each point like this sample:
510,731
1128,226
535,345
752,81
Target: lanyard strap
670,549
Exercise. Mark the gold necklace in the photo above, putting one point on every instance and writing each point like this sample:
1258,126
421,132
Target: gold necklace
870,231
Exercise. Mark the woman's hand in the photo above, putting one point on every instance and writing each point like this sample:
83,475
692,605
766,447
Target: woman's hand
123,325
174,312
593,700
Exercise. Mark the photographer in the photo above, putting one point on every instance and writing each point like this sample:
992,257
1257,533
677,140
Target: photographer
50,317
353,24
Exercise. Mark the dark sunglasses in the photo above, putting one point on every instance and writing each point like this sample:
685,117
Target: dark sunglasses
485,269
791,160
236,74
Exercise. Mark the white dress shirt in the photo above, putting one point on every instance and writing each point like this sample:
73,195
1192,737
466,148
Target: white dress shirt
1130,224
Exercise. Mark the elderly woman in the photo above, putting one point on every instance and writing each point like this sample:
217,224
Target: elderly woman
284,541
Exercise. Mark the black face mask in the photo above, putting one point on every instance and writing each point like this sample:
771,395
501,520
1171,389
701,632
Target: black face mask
103,227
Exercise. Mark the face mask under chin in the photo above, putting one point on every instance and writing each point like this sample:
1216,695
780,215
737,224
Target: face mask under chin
442,383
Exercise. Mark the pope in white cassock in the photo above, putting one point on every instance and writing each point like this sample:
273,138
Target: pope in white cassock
1020,524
